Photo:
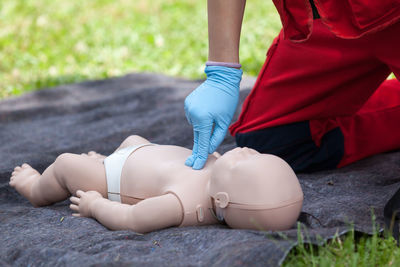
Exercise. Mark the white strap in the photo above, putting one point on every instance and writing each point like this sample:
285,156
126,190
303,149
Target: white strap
113,165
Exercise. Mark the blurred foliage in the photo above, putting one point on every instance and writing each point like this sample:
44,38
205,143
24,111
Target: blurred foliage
44,43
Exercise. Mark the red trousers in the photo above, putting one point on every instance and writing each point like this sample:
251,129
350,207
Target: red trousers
331,82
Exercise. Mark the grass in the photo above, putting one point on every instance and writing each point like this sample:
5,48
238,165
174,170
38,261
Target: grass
352,249
45,43
348,250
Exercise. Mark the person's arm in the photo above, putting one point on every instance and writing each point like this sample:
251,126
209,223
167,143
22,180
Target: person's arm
146,216
224,25
213,103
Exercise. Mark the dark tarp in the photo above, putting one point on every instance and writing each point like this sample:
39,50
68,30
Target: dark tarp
98,115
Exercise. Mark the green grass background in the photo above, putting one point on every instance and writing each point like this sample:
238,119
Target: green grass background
49,42
45,43
352,249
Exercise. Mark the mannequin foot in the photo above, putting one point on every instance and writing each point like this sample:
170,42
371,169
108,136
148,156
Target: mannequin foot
22,179
96,156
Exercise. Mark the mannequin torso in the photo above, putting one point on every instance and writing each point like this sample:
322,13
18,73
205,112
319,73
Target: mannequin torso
156,170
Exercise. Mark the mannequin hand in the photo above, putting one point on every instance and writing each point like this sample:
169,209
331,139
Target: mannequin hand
82,203
213,103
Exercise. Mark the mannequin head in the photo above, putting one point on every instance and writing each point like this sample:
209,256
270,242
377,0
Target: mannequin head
255,191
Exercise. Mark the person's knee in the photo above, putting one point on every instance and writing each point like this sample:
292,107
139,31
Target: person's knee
294,143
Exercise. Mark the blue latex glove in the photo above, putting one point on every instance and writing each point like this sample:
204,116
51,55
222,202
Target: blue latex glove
213,103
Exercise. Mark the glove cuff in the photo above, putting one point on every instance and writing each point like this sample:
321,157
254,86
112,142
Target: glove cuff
224,75
224,64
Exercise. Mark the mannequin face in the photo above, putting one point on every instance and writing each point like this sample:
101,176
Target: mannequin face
230,171
233,158
251,177
251,190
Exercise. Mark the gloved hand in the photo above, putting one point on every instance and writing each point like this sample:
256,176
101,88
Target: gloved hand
213,103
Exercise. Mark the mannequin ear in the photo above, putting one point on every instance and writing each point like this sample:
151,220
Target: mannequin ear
222,199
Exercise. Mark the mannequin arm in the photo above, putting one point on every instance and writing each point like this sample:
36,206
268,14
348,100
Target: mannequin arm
146,216
224,26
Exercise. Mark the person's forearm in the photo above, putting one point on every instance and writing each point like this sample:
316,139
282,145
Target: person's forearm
224,26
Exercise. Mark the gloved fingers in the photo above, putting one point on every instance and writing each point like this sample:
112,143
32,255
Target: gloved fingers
203,145
217,137
199,163
188,117
186,107
190,160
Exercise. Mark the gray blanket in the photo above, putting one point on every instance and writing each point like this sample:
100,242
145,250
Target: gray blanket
98,115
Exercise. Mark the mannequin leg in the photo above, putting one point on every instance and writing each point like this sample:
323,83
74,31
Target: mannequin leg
133,140
95,155
64,177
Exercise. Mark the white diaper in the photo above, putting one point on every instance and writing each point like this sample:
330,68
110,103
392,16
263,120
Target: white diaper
113,165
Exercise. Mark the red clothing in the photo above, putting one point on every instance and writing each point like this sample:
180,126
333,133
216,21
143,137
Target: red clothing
331,82
345,18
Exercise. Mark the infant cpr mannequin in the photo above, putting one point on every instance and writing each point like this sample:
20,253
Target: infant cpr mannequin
145,187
